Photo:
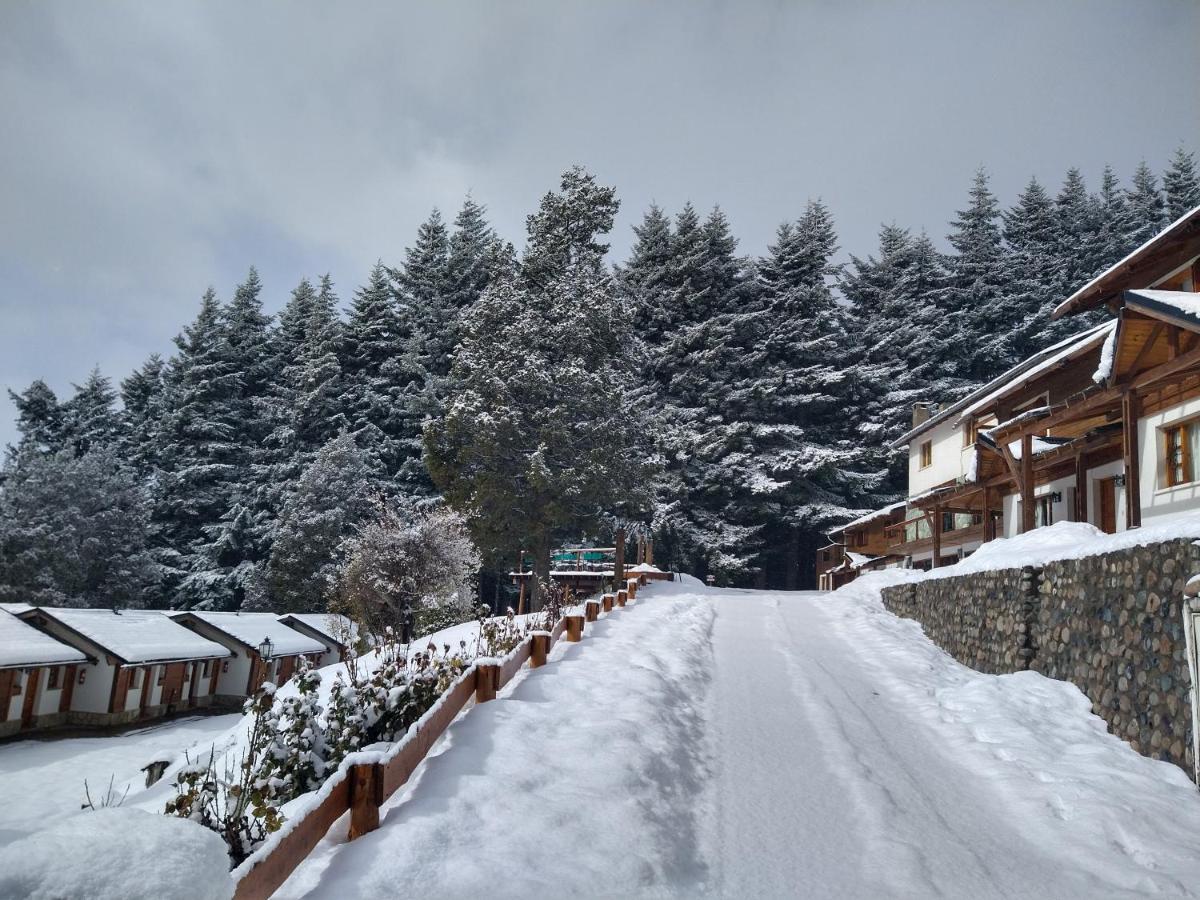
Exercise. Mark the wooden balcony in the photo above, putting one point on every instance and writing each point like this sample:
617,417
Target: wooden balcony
950,540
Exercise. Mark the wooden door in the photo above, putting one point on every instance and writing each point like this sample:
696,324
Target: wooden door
172,686
68,691
7,678
32,678
1106,505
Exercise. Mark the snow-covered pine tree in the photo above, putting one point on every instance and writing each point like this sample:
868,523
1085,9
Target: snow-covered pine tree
1077,223
381,376
142,408
1181,184
1145,211
976,296
199,455
1111,212
74,531
90,417
331,498
1037,277
39,420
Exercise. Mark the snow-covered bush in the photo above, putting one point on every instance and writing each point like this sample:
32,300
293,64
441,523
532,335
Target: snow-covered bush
238,803
294,761
498,636
117,854
407,570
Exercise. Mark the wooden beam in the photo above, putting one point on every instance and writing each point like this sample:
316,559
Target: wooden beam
937,537
1080,489
1028,521
1146,347
1172,343
989,521
1133,500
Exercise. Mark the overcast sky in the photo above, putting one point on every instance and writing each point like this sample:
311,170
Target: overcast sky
152,149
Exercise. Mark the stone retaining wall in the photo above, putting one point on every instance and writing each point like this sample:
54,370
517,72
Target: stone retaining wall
1111,624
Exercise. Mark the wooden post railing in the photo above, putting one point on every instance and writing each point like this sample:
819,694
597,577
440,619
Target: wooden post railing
362,787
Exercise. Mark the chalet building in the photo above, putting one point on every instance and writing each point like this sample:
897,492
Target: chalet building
1103,427
859,546
259,648
37,676
333,631
136,664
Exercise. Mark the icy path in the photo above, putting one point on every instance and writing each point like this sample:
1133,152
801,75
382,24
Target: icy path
749,744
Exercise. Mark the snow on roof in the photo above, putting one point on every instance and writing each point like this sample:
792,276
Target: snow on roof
332,625
16,608
1039,446
995,385
24,645
1181,301
251,628
858,559
1108,354
643,567
1065,307
1060,352
871,516
136,635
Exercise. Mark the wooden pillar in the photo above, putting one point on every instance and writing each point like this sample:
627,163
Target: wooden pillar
574,628
620,600
649,551
487,682
539,649
591,611
1028,510
366,796
619,563
631,585
520,596
1081,498
607,602
1133,494
989,521
937,537
623,597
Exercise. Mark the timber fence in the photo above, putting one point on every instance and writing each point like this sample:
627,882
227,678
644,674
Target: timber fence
365,780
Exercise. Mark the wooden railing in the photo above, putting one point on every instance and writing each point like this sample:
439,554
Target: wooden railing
365,781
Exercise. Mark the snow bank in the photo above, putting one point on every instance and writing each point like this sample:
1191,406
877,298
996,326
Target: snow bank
117,854
1066,540
1129,821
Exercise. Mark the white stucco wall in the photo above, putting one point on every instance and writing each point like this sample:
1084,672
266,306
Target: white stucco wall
233,681
1157,499
96,691
950,458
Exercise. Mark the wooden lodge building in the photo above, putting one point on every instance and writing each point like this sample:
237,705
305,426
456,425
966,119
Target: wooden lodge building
37,676
1103,427
137,663
258,648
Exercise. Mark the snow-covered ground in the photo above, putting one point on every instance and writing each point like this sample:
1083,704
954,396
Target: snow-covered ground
42,781
755,744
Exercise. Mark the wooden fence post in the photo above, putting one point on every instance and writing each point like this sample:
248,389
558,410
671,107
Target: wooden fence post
574,628
616,599
487,679
606,602
622,597
591,611
632,587
366,796
539,649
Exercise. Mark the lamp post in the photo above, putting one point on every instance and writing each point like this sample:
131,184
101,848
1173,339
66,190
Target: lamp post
265,648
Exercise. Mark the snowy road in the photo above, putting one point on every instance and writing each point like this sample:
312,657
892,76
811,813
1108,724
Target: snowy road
750,744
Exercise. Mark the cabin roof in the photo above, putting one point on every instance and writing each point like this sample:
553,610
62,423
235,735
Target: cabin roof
134,635
869,517
23,645
1066,351
249,630
330,625
1149,262
996,384
1180,306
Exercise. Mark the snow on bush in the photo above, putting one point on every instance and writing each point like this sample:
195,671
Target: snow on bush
117,854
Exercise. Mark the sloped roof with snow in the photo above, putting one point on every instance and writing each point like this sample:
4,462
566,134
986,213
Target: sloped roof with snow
16,608
324,624
1001,382
1062,352
24,645
1114,277
870,517
136,635
1179,303
249,629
